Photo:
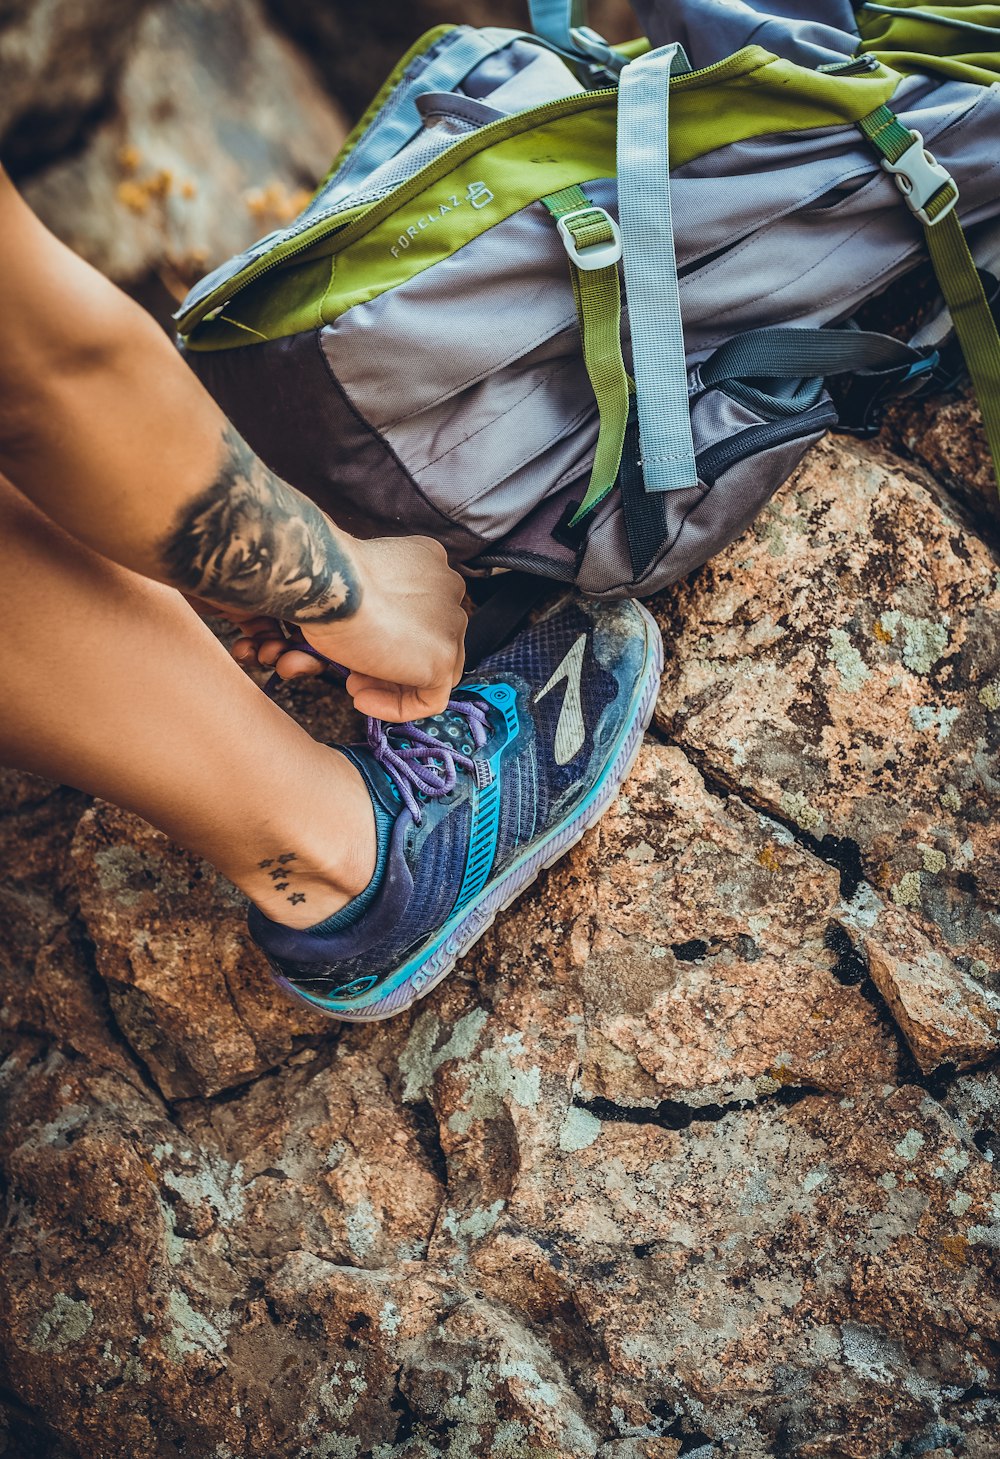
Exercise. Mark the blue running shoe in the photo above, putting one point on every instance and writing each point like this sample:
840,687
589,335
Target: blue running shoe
529,753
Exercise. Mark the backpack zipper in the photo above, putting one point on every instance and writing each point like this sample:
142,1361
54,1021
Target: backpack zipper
369,214
713,461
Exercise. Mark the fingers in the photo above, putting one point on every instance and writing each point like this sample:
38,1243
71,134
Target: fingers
411,627
396,703
297,665
254,634
262,644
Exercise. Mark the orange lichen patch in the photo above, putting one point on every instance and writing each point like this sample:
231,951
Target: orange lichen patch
768,860
149,1173
189,189
883,875
275,203
955,1250
882,634
136,195
661,1448
129,158
160,183
133,195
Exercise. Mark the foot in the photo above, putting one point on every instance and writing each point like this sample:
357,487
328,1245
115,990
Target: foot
530,752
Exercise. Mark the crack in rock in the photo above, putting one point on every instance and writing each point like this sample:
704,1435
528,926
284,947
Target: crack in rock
672,1114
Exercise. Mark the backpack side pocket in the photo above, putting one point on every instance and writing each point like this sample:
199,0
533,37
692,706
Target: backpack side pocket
744,453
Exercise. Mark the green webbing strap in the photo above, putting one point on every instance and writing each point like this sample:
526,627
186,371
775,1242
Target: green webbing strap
599,307
931,193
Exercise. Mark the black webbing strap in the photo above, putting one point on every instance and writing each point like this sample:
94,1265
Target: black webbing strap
644,511
515,595
791,354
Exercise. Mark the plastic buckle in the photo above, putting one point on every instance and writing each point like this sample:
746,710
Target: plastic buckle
589,43
920,177
592,255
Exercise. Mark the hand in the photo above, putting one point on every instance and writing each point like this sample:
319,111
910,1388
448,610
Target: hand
405,646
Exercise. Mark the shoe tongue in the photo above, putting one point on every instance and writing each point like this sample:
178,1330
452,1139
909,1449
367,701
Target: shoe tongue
451,728
379,783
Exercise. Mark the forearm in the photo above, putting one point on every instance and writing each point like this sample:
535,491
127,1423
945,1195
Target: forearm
105,428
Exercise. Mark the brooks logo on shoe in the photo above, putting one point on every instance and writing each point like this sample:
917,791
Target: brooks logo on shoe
570,729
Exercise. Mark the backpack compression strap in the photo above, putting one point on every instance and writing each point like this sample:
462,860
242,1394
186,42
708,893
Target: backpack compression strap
646,247
556,20
563,25
594,245
649,261
930,192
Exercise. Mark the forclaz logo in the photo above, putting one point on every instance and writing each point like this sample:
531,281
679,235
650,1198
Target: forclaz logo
477,194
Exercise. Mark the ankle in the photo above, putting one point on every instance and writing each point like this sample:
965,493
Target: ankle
318,874
307,899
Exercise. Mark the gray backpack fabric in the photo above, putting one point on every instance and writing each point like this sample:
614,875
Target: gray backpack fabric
457,402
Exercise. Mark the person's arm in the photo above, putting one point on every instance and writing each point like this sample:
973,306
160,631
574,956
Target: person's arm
106,429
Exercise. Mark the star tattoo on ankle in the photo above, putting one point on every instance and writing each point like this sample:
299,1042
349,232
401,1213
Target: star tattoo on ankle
297,897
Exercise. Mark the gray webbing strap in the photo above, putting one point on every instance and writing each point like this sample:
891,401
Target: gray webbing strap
650,264
561,25
555,20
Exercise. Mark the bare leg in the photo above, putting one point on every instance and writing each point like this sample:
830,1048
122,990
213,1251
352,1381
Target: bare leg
112,684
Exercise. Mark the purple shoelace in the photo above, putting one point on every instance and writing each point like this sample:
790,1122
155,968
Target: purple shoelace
426,765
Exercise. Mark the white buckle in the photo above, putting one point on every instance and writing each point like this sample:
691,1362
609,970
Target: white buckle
594,255
920,177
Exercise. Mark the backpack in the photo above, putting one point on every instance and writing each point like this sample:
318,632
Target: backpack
440,343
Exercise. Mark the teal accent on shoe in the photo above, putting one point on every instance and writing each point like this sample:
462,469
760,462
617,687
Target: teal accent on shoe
486,811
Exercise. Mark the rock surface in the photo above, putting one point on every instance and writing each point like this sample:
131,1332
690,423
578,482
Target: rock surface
840,669
219,132
694,1155
656,1172
946,435
59,60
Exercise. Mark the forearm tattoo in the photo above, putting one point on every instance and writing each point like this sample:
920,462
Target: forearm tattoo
251,542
